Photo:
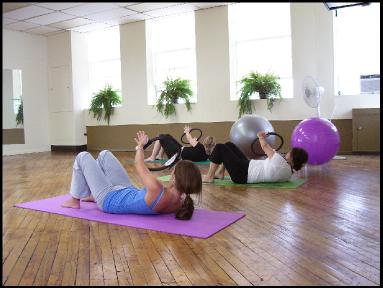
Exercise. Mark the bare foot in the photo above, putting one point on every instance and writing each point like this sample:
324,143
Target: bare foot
71,203
150,159
205,179
219,176
88,199
220,173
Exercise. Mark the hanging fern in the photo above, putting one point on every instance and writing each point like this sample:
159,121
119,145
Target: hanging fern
103,103
173,90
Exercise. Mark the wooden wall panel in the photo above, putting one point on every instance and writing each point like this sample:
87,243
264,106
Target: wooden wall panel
120,137
13,136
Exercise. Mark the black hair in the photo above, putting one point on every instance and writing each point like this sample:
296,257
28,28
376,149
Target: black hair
299,158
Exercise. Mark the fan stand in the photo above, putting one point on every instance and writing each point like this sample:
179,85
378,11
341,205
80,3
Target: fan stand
318,111
308,169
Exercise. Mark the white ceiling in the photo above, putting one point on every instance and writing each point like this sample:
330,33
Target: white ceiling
45,18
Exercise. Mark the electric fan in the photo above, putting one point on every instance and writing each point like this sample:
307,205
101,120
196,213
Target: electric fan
312,92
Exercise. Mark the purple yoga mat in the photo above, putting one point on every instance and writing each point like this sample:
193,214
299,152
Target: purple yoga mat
203,224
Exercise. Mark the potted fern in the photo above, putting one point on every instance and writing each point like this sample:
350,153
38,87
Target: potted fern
265,84
103,102
173,91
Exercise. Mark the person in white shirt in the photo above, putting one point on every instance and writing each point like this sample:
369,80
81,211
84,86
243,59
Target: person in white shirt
275,168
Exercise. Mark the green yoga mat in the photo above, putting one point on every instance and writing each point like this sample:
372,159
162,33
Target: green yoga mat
227,182
161,161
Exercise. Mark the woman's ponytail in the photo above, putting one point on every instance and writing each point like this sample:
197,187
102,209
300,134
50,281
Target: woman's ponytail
188,180
186,210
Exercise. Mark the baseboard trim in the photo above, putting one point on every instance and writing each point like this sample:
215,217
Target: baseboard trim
68,148
365,152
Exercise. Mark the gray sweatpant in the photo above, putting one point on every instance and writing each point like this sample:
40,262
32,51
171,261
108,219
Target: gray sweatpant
97,177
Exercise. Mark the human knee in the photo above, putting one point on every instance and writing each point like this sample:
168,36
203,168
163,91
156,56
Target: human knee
103,153
103,156
219,147
80,158
216,154
83,155
162,136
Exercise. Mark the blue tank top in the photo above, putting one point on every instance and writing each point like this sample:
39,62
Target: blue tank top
130,200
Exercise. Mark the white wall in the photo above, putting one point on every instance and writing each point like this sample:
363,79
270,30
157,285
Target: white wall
80,80
68,87
60,89
29,54
312,47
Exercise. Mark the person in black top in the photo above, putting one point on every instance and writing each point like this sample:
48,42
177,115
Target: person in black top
166,143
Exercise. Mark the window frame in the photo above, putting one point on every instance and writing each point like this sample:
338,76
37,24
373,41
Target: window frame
234,77
93,63
154,88
337,26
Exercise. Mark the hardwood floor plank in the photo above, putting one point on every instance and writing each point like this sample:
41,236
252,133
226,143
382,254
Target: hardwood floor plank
95,255
136,270
108,264
122,268
151,275
71,260
83,262
57,271
179,275
154,257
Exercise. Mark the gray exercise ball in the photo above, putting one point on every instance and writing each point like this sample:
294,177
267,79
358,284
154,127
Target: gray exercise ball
244,131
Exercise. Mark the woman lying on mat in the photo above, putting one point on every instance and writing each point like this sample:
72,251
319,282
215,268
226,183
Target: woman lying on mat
166,143
275,168
106,182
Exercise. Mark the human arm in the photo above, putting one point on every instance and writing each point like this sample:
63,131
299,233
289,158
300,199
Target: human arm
192,141
264,145
149,181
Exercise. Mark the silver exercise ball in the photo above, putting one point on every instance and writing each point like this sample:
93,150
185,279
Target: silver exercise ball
244,131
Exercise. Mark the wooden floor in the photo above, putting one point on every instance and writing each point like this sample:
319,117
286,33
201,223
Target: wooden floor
326,232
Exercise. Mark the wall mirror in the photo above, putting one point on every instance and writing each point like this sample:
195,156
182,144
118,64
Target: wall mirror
13,116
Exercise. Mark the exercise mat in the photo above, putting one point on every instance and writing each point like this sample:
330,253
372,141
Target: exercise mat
294,183
162,161
203,224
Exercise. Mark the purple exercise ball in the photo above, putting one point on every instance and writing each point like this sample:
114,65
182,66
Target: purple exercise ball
319,137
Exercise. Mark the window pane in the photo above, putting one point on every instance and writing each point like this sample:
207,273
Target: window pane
250,56
174,64
172,41
357,49
104,60
260,36
173,32
272,18
106,72
104,44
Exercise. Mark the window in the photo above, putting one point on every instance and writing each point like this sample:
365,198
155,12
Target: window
17,90
260,41
172,52
104,59
357,50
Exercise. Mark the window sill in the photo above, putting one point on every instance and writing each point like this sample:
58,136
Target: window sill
358,95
